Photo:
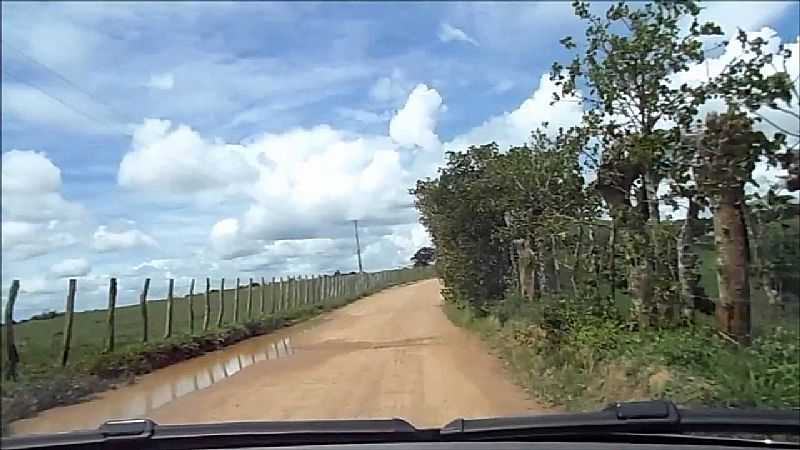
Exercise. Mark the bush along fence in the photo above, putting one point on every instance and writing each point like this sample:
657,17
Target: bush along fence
193,314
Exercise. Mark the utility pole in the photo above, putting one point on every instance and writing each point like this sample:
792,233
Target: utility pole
358,247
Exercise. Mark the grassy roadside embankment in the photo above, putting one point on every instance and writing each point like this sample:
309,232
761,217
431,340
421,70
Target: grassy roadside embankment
576,361
43,384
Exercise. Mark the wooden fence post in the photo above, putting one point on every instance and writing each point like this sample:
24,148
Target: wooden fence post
221,302
273,296
170,301
112,305
288,299
306,290
287,294
281,295
207,309
299,290
191,307
236,303
12,356
295,292
68,316
289,286
312,290
263,288
250,299
143,308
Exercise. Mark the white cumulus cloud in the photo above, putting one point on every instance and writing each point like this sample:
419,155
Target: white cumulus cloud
36,217
105,240
415,123
32,188
74,267
515,127
178,160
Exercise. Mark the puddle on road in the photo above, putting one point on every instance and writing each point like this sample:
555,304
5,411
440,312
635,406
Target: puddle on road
158,388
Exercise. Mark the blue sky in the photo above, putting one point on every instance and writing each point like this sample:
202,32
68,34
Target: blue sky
224,139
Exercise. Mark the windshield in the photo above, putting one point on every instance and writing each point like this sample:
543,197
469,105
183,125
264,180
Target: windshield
217,212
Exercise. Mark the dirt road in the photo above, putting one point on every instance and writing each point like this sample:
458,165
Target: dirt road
393,354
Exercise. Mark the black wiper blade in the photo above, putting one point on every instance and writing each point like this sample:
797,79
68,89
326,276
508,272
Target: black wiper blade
145,433
644,422
650,417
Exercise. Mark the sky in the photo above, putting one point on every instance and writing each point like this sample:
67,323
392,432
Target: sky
190,140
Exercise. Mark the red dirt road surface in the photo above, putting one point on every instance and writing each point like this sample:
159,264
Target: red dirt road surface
393,354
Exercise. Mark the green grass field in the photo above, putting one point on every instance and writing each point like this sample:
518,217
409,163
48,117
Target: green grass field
39,342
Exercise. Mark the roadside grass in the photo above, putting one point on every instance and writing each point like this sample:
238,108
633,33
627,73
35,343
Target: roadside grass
595,362
43,384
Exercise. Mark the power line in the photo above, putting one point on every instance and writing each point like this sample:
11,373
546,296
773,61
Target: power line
91,96
62,102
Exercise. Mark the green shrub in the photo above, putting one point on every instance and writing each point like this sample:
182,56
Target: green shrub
570,358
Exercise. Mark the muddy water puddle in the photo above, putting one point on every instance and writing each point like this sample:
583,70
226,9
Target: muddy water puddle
165,385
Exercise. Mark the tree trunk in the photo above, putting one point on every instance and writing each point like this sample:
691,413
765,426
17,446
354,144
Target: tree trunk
612,258
547,268
556,265
651,189
638,255
576,261
527,270
766,277
730,236
692,292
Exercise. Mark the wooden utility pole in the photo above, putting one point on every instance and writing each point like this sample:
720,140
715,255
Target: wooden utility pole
358,246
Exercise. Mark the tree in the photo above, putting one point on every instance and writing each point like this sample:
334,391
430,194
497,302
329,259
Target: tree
542,190
463,213
626,71
728,150
424,257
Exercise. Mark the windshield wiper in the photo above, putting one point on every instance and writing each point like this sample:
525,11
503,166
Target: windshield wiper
144,433
641,422
646,421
